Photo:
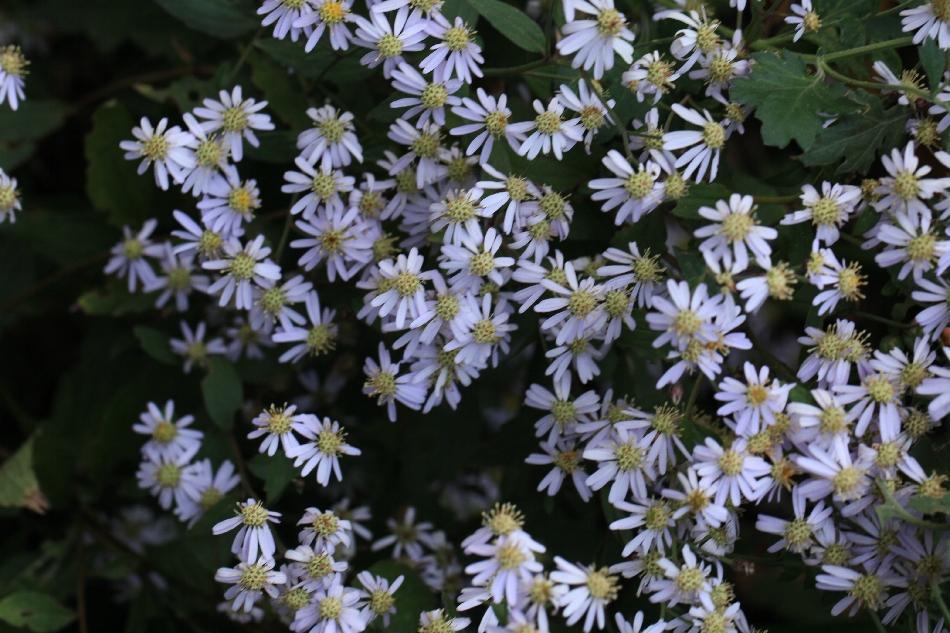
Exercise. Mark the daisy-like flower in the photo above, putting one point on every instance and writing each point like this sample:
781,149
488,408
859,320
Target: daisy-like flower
824,422
721,67
683,583
592,112
913,244
642,271
594,41
211,155
323,186
327,441
254,534
805,19
198,239
315,339
755,402
936,317
283,14
339,237
168,437
387,42
623,459
424,143
549,132
565,458
272,303
827,211
905,188
317,569
327,15
377,598
481,331
930,20
846,281
406,536
455,52
697,499
249,581
236,118
654,521
832,352
426,99
9,198
128,256
475,261
650,75
835,474
686,315
877,397
798,533
589,590
325,530
403,292
489,117
242,267
277,425
704,145
509,564
171,480
563,412
867,590
696,40
632,192
735,473
194,348
777,282
331,140
384,383
211,487
229,203
438,622
13,68
577,306
734,233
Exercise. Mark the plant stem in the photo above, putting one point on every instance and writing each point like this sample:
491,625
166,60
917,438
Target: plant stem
286,232
515,70
691,400
885,321
877,622
938,598
861,50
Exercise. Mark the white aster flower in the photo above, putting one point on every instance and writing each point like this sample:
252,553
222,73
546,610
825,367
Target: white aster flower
549,132
387,42
377,596
455,52
755,402
589,590
339,237
128,256
826,211
735,233
489,117
168,437
211,155
171,480
325,530
704,145
315,339
406,536
327,442
323,186
930,20
632,192
194,348
242,267
13,68
277,425
594,41
236,118
331,140
426,99
565,459
254,534
384,383
167,148
229,203
9,198
249,581
424,143
327,15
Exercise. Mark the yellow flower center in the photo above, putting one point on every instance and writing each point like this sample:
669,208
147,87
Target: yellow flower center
610,22
234,119
254,515
253,578
731,463
434,96
332,12
496,122
548,122
164,432
389,46
639,184
602,585
427,144
714,135
457,38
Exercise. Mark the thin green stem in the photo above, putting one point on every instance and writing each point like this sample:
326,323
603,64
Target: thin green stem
861,50
286,232
783,370
938,598
902,513
891,322
693,393
877,622
516,70
243,58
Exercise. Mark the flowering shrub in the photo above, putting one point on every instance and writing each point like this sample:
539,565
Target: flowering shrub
425,315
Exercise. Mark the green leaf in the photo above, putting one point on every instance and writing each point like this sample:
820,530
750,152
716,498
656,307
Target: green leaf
223,19
283,95
931,505
459,8
114,300
517,27
856,139
933,61
34,612
155,344
222,391
35,118
112,183
787,99
277,472
18,484
700,195
412,597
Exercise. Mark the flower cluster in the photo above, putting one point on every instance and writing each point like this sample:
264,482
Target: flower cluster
459,261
